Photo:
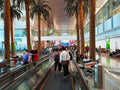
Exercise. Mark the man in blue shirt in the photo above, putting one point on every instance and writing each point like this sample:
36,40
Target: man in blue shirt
26,57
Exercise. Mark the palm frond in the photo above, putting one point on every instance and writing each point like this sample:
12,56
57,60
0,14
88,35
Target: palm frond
1,4
41,7
15,12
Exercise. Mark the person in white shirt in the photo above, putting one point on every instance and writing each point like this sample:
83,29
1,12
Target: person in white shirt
64,59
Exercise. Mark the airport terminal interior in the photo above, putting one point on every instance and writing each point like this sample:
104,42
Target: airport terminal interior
59,45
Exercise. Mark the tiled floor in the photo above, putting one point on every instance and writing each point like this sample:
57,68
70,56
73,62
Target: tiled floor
111,76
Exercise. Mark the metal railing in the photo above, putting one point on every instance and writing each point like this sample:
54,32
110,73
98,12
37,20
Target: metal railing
79,78
26,76
14,63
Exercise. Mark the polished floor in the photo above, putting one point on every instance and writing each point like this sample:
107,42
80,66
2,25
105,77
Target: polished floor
111,75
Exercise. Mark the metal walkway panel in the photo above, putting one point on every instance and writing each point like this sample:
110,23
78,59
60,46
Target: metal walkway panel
57,82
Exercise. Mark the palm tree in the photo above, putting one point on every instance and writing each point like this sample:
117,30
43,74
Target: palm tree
92,29
80,6
1,4
21,4
72,8
14,13
40,8
81,19
7,29
82,11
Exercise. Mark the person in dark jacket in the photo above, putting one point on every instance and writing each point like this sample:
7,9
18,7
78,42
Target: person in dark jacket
57,61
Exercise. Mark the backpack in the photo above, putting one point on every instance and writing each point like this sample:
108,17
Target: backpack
56,58
71,57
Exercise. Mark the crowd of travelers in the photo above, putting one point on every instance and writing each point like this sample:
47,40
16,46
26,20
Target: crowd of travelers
30,56
62,59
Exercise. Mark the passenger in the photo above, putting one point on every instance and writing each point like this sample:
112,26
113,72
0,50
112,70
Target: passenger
59,51
57,61
86,59
75,54
70,53
26,57
64,59
15,60
77,57
87,49
34,55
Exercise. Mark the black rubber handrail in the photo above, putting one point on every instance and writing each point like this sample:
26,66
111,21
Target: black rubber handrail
12,75
84,82
22,76
7,64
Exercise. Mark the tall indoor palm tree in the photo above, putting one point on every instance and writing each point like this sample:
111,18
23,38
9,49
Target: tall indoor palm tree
72,8
82,11
81,19
40,8
7,29
14,13
92,4
92,29
21,4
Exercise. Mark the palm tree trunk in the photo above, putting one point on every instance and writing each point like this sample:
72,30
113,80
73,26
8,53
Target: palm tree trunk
81,28
7,29
92,29
27,4
12,37
78,34
39,33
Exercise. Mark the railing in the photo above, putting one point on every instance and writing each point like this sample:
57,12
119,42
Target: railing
26,76
79,80
14,63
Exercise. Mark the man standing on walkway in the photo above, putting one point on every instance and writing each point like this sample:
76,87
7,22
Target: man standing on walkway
64,59
57,60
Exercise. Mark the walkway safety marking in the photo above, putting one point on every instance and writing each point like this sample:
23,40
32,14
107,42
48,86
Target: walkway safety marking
112,74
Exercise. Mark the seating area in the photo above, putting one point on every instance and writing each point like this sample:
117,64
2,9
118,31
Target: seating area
115,53
104,50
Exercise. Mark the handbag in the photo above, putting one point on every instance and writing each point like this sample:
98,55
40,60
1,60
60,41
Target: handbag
65,62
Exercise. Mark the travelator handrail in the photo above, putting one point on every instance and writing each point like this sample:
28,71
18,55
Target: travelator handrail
6,64
83,81
12,77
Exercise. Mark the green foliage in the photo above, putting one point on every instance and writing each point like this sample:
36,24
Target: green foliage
1,4
72,7
108,44
15,12
31,46
14,46
40,7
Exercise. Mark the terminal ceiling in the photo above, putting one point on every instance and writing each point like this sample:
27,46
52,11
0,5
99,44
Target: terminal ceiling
60,22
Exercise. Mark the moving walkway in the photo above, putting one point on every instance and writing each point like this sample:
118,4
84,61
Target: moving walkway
42,77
